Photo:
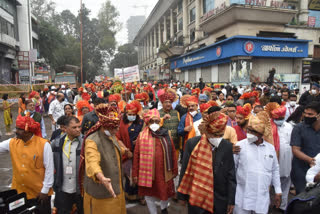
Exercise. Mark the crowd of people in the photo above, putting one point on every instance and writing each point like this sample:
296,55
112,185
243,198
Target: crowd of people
216,148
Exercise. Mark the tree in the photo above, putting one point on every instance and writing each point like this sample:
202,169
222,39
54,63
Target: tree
43,9
125,57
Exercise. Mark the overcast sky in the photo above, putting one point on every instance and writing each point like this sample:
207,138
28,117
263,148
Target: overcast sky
126,9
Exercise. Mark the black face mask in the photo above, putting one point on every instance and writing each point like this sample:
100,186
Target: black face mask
310,120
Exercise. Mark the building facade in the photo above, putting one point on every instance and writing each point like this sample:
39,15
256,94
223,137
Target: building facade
234,41
134,23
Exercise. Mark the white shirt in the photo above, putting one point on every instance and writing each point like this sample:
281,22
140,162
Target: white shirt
196,127
313,171
240,90
47,163
224,91
285,153
290,110
56,109
256,169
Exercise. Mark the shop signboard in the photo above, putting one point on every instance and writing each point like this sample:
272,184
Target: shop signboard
24,76
240,72
311,21
131,74
314,5
292,80
306,71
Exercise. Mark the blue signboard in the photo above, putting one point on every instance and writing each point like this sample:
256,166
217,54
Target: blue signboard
222,51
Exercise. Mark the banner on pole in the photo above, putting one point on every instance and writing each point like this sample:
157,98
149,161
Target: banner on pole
131,74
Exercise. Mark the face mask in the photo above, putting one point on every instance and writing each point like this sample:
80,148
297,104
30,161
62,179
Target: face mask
132,118
215,141
193,113
107,133
154,127
279,94
292,103
310,120
313,91
279,122
252,138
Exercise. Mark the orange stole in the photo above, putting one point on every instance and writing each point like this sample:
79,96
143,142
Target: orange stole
198,179
27,165
192,133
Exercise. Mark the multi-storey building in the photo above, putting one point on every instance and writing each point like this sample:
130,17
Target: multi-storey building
134,23
234,41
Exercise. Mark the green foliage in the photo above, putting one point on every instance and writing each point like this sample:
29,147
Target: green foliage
59,36
125,57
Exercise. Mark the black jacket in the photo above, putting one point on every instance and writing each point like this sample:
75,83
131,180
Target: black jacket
57,145
224,176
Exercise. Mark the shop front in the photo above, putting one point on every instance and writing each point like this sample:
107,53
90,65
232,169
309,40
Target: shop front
241,60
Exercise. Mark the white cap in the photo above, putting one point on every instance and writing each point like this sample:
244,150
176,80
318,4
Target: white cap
145,83
53,88
63,86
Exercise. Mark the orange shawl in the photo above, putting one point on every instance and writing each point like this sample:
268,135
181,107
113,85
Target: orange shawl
198,179
192,133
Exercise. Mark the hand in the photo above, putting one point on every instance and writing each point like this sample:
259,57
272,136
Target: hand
42,198
230,209
236,149
277,200
167,116
188,128
135,180
107,184
312,162
317,178
53,122
129,154
182,203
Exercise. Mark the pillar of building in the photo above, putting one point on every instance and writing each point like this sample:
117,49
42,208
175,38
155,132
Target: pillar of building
151,45
171,24
155,40
304,12
197,21
144,49
164,29
159,34
185,21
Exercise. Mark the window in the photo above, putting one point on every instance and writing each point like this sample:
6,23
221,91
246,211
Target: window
4,26
192,35
207,6
179,6
192,14
7,6
180,24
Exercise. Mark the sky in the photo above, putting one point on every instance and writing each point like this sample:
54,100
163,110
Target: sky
126,9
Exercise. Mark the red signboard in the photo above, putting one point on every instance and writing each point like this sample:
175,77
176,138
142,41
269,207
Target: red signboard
311,21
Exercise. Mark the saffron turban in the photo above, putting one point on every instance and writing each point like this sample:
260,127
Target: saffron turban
205,106
214,123
183,100
275,111
168,94
109,116
28,124
33,94
245,111
261,124
195,91
149,114
115,98
192,100
134,107
83,104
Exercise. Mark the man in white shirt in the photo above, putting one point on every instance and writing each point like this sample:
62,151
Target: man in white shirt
291,105
32,163
56,110
313,174
256,169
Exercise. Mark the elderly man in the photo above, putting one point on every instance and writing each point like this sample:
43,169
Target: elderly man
154,163
207,177
66,150
186,127
56,110
100,165
256,168
203,98
32,163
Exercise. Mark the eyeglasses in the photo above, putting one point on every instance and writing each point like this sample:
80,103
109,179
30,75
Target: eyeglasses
154,121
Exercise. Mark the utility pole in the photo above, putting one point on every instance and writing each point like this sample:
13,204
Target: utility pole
30,45
81,38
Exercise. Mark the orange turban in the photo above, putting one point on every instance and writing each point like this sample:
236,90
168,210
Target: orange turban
188,86
183,100
81,89
33,94
169,94
192,100
28,124
109,116
205,106
214,123
143,97
149,114
245,111
83,104
134,107
165,85
206,89
275,111
261,124
195,92
115,98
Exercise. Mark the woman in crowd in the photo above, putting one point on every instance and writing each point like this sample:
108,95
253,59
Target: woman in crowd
221,99
83,108
7,115
21,104
68,110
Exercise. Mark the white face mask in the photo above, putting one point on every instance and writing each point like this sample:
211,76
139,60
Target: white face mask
154,127
132,118
107,133
193,113
292,103
279,122
279,94
313,91
215,141
252,138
